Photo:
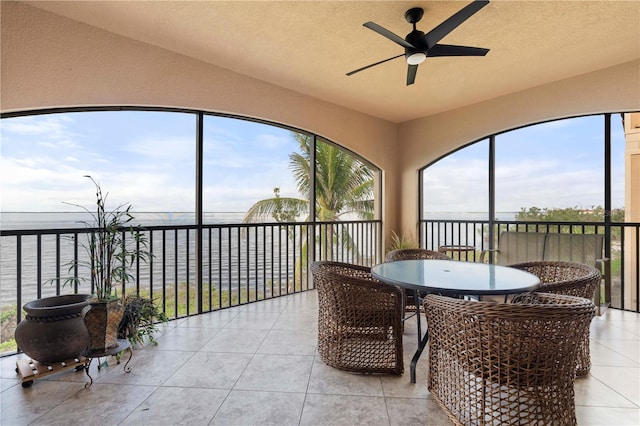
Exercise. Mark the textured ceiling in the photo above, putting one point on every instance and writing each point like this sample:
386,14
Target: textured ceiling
308,46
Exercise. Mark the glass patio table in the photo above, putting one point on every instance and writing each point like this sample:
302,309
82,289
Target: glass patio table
451,278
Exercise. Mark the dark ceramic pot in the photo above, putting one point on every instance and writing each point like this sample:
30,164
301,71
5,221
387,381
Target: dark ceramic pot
53,329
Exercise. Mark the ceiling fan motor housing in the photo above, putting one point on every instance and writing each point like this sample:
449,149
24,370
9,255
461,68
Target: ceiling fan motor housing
416,39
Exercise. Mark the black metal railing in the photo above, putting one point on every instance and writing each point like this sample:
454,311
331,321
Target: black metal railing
621,247
194,269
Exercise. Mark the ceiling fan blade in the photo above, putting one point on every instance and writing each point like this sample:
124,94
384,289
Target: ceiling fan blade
411,74
450,24
388,34
373,65
451,50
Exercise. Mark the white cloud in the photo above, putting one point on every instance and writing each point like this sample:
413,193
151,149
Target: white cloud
273,142
60,144
51,126
461,185
456,185
44,159
164,150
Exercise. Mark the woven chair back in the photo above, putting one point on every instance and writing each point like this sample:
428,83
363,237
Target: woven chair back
498,363
572,279
414,253
359,319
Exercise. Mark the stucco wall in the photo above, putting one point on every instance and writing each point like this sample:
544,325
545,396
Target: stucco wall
49,61
424,140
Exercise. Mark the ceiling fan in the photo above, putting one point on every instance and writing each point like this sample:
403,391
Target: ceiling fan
418,45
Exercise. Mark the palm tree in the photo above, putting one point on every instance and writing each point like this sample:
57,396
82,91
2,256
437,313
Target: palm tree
344,187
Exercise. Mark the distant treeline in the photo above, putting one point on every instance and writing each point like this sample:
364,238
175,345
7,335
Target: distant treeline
571,214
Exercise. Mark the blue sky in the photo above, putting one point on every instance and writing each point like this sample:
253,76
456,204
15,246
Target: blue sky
147,158
556,164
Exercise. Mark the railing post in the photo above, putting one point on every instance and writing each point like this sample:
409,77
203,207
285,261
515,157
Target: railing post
19,278
199,207
493,231
607,215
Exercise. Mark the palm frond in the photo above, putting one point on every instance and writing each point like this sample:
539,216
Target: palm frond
267,210
343,186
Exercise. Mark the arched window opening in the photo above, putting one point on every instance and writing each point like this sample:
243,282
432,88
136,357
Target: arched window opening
234,209
574,175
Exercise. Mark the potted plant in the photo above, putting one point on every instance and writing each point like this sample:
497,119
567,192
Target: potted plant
109,258
399,242
139,321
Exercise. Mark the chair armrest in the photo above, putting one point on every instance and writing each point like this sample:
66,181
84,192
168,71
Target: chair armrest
484,252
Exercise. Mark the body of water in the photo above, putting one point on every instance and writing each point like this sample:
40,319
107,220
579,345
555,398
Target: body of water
235,256
468,215
65,220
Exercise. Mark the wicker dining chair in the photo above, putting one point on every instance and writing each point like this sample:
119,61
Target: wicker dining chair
410,254
571,279
506,363
359,319
414,253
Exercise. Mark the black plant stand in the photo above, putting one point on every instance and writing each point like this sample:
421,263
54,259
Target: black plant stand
123,345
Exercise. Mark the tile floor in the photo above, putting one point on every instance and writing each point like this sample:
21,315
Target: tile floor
257,365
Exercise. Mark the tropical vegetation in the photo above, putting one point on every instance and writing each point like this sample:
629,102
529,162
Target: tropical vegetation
569,214
343,186
399,242
594,214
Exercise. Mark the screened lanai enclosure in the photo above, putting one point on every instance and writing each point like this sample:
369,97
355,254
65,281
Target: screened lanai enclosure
235,210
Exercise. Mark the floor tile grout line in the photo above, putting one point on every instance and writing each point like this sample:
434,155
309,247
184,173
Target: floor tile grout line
637,362
621,395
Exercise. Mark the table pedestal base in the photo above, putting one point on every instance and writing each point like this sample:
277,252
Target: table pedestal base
416,356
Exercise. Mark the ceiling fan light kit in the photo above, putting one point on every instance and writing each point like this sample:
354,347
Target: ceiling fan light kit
416,58
418,45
